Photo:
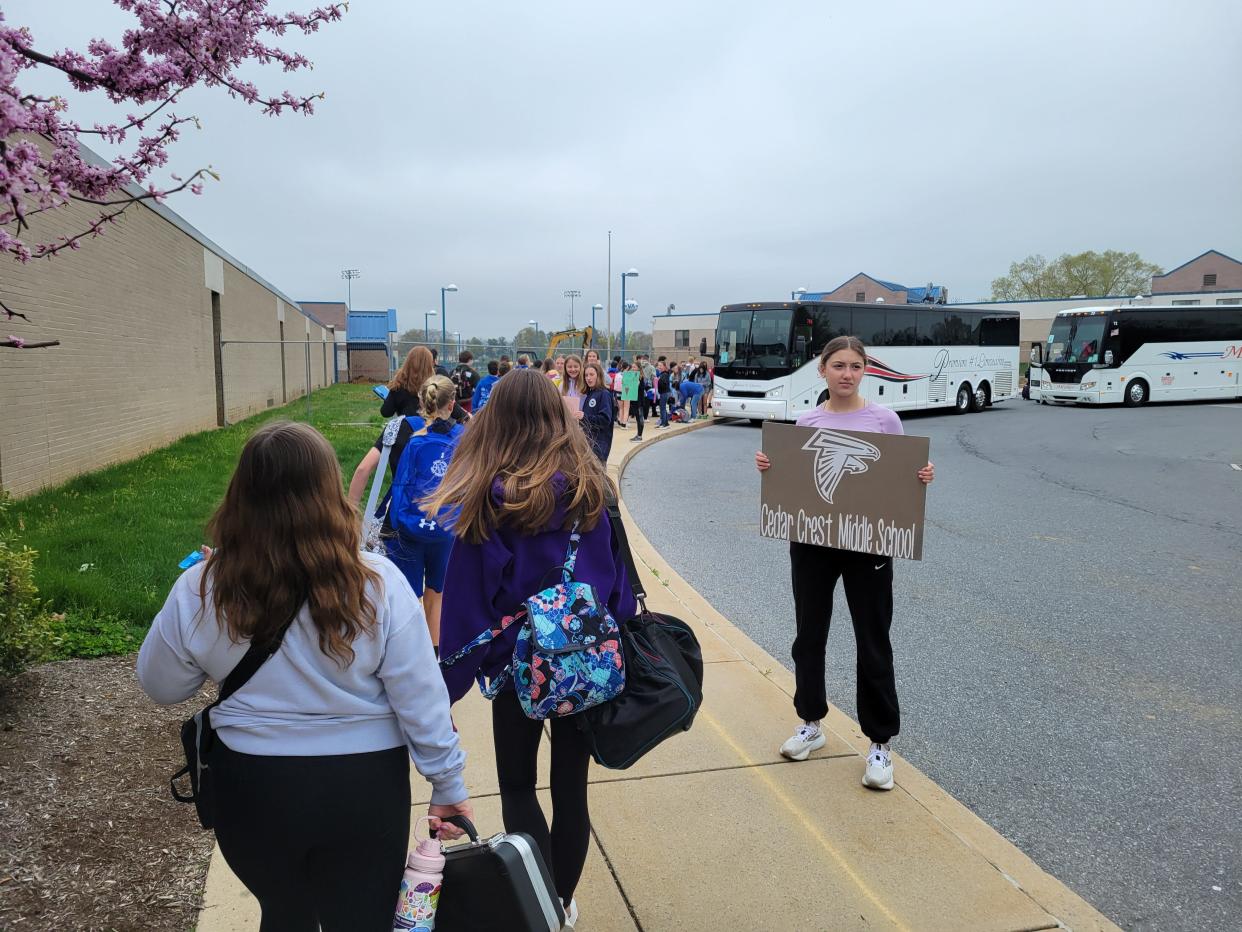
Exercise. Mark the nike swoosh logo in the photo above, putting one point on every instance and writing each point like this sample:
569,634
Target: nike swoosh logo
880,566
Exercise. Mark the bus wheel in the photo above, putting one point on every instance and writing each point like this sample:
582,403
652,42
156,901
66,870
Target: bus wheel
982,397
965,399
1136,394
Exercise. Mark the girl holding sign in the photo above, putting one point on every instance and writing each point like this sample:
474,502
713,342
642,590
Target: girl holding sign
868,586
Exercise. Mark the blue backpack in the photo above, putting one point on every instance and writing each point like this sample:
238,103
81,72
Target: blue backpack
568,655
423,464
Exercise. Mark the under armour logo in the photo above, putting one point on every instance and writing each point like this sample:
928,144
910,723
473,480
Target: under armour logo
426,524
835,455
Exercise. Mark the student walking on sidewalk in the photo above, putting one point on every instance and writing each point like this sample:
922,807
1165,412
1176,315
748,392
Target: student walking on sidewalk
868,587
418,545
523,477
311,762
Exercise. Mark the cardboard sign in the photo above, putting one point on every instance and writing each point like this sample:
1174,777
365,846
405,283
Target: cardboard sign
844,489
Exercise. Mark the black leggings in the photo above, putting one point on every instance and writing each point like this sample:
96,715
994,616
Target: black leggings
869,594
517,749
319,841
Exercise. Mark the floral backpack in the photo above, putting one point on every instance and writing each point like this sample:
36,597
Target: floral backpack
568,653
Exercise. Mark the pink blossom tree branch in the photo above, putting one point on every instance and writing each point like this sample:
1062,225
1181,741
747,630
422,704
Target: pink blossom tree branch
176,45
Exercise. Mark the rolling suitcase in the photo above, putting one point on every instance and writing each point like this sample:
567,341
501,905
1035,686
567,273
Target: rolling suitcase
497,884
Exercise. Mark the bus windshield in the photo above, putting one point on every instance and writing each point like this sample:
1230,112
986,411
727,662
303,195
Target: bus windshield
1076,339
755,338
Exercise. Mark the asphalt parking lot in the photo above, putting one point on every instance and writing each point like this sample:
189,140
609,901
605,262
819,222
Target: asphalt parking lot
1068,651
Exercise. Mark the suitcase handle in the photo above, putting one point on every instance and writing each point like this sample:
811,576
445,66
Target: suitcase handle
464,824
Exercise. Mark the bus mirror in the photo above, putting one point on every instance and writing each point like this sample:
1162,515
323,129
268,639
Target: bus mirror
800,348
1037,354
1108,357
703,346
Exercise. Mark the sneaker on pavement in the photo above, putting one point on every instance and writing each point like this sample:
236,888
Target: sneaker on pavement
571,915
636,440
879,772
809,737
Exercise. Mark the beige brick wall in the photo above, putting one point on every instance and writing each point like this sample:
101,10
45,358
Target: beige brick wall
368,364
135,368
868,288
1189,278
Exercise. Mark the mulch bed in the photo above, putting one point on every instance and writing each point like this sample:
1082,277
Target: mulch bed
89,836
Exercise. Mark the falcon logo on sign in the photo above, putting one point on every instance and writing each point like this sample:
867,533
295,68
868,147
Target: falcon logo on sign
835,456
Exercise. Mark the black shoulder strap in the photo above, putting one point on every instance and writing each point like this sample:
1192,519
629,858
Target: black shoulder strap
255,657
623,544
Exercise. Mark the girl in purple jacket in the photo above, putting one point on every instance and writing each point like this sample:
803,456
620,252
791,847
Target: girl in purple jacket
521,477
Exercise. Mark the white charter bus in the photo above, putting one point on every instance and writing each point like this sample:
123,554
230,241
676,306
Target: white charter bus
1136,354
918,356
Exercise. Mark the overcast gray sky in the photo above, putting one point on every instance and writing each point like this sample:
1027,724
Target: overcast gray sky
736,150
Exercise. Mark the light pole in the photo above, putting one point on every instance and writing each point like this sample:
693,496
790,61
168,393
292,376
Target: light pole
349,275
444,316
632,273
594,308
571,294
426,327
535,324
797,294
457,340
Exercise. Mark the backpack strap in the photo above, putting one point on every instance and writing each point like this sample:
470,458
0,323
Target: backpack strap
623,544
485,637
391,430
571,554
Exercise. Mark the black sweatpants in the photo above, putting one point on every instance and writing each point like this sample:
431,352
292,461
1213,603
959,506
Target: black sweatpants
320,841
516,738
869,594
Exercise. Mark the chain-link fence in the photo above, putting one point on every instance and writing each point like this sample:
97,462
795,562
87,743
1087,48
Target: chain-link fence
485,352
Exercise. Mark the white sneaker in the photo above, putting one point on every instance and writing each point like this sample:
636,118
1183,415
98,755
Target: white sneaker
806,739
571,915
879,772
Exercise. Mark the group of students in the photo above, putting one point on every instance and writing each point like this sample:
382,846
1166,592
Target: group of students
311,767
312,764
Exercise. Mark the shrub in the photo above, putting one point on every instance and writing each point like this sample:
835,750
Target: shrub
26,634
90,633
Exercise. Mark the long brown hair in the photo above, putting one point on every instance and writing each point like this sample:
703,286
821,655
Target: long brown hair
417,369
601,377
580,381
285,535
523,437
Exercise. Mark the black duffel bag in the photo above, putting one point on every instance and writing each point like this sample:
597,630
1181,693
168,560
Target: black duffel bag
663,680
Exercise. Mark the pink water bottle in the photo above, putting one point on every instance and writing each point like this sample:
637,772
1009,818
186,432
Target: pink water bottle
420,886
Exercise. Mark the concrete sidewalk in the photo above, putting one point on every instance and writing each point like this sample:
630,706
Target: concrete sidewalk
715,830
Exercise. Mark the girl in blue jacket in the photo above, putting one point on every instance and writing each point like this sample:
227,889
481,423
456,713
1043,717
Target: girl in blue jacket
521,477
597,410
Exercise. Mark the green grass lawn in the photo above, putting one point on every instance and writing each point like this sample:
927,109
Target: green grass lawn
109,542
